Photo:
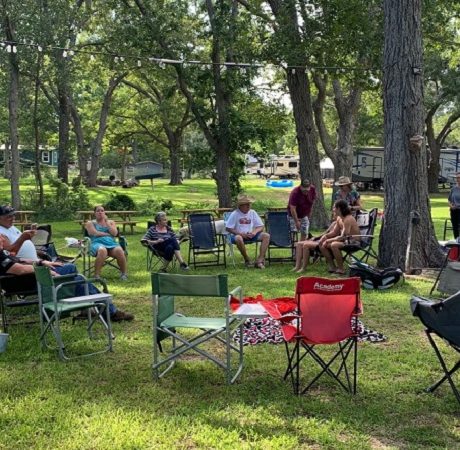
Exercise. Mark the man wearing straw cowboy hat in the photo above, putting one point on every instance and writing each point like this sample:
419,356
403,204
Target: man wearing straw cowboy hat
347,193
245,226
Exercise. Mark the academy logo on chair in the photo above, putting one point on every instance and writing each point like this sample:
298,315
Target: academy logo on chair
332,287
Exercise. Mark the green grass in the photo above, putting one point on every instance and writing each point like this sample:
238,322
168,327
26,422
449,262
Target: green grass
111,401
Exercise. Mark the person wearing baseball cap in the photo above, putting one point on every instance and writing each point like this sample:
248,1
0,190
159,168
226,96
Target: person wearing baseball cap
299,208
15,241
348,193
246,226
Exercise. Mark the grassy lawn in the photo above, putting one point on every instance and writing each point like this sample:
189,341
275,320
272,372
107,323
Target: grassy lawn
110,401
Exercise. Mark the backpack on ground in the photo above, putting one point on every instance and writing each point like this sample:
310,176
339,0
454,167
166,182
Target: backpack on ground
373,278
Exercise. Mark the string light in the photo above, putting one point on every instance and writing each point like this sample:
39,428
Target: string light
11,47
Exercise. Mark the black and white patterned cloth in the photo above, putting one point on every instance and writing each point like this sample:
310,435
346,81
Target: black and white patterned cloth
268,330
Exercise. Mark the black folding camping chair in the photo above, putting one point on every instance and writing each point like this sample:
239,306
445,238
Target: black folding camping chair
441,319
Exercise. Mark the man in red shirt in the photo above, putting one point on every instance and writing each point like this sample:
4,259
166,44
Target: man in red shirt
299,207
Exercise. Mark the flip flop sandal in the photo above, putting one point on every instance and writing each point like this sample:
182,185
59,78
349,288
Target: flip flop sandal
259,265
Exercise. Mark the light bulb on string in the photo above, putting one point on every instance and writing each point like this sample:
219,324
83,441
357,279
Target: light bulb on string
122,58
116,59
40,48
8,48
71,53
92,58
64,54
14,49
139,63
293,71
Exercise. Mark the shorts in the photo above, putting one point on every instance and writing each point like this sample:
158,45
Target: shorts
255,238
96,246
304,225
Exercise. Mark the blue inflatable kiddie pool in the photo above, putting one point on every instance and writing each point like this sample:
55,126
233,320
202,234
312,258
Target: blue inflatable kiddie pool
280,183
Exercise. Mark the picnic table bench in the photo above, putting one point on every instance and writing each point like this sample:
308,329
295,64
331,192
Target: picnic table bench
22,219
125,216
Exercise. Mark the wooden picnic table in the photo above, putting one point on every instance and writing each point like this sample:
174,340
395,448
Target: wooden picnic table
125,216
22,219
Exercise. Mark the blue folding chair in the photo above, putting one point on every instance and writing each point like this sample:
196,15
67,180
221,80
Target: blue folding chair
206,247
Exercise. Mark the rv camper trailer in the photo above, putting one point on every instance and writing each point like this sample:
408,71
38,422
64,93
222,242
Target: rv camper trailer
368,165
285,166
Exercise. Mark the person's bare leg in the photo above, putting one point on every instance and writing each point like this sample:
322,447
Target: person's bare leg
298,256
241,247
329,258
119,255
305,258
265,238
336,251
101,256
179,256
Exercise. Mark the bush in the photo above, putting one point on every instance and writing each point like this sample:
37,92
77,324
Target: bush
120,202
61,203
152,206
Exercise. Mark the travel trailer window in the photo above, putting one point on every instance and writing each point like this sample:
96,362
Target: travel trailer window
46,157
293,164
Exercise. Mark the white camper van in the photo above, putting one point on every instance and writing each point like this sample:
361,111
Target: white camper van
368,165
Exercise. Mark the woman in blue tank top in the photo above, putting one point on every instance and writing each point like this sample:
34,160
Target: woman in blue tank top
102,233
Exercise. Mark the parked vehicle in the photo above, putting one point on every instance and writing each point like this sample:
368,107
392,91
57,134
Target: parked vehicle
368,166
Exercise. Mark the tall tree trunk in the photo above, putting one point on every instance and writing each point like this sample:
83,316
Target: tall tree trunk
175,147
405,176
299,91
35,121
64,118
96,144
13,105
7,159
433,155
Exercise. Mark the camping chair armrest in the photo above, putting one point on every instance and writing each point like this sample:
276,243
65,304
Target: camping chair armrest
69,283
58,279
100,281
237,293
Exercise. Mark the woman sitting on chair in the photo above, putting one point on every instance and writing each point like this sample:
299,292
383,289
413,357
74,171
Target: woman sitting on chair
102,233
162,238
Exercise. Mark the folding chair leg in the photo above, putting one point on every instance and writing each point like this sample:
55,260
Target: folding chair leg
447,372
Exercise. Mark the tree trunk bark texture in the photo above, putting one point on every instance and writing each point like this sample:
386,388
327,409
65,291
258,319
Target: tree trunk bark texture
175,146
433,156
14,135
299,90
405,178
64,131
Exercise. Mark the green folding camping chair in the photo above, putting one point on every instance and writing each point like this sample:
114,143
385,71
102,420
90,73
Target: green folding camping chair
167,289
57,301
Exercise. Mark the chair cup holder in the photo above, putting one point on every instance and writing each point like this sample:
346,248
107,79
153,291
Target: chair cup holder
3,342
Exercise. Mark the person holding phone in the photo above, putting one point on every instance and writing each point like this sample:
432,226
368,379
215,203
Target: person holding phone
162,238
16,242
102,233
299,207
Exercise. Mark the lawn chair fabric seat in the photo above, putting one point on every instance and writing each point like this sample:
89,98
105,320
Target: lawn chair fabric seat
442,319
327,315
57,301
168,323
366,222
206,247
282,239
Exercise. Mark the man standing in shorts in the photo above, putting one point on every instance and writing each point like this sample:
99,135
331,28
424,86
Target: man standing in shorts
299,207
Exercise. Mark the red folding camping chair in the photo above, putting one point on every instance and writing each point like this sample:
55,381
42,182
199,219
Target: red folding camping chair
327,314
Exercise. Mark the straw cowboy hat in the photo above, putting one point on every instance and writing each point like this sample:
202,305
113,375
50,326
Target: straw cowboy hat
243,199
343,181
